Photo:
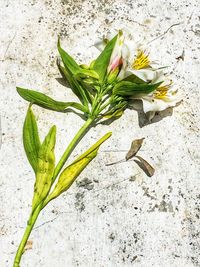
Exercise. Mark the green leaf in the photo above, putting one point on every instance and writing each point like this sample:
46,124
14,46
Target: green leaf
73,72
71,172
84,73
45,168
75,86
116,114
127,88
134,79
47,102
70,73
72,67
102,62
69,63
31,139
68,77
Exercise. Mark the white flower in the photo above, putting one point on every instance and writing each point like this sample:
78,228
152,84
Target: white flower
116,57
130,55
161,98
120,54
140,65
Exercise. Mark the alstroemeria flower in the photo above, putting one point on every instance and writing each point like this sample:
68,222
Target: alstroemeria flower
130,58
116,60
142,66
123,56
116,57
163,97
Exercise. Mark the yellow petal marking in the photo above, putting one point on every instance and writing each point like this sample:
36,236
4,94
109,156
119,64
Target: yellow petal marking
162,91
141,61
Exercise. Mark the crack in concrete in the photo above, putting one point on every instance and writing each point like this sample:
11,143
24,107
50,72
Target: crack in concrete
165,32
8,46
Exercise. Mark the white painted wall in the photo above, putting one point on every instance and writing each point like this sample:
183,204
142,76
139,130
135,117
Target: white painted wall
118,222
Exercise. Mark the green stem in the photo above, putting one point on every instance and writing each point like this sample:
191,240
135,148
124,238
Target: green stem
71,146
30,224
58,168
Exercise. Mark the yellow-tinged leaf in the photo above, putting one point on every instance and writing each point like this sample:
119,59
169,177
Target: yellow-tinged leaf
45,168
92,64
116,114
87,73
72,171
31,139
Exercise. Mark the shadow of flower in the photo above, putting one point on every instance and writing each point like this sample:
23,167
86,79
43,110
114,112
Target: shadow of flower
145,118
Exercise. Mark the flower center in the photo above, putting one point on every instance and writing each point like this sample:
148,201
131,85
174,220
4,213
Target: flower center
161,92
141,61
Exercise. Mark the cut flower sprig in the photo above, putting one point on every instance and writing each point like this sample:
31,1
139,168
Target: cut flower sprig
104,90
138,68
164,96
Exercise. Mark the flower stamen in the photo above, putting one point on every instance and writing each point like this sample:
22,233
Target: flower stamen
162,91
141,61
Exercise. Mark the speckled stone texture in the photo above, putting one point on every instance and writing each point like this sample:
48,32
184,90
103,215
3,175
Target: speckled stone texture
113,216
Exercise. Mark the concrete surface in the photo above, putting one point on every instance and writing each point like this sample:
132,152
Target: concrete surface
123,217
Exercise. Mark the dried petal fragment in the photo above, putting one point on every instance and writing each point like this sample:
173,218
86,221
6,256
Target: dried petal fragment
135,147
145,166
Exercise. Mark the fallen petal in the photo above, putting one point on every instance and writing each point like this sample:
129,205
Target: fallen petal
135,147
145,166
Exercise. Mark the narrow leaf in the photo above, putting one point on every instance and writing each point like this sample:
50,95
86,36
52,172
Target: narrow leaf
116,114
84,73
135,147
127,88
45,168
74,85
69,63
71,70
47,102
145,166
134,79
102,62
69,78
31,139
70,173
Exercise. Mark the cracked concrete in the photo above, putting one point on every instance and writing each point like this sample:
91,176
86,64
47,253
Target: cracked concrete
126,218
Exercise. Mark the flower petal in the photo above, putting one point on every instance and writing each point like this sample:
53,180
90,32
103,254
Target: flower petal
154,104
116,56
125,58
144,74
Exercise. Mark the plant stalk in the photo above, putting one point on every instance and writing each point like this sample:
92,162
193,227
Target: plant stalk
71,146
36,212
30,224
